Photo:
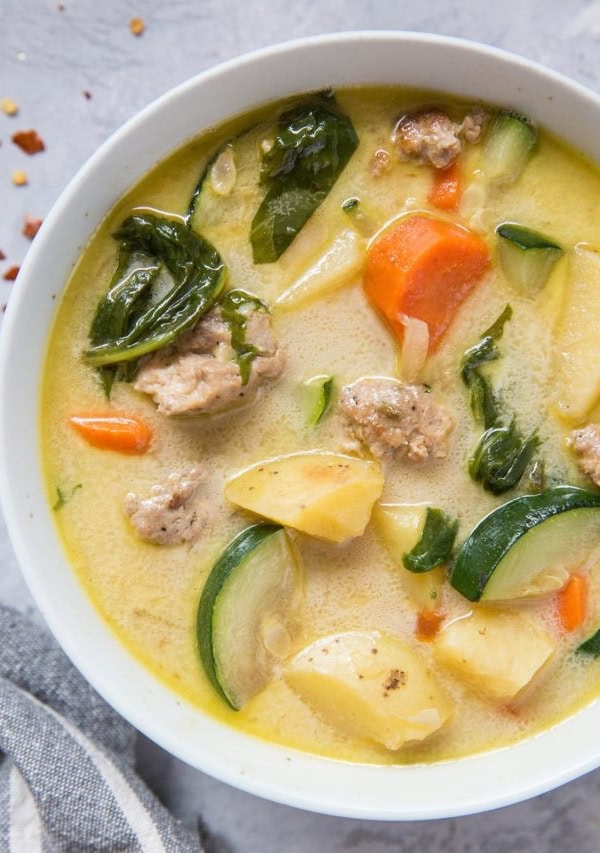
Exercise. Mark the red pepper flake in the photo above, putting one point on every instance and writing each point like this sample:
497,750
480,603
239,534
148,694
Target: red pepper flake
428,624
2,255
31,226
28,141
137,26
11,273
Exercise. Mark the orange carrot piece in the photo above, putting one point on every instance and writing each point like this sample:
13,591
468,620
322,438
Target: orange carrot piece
446,187
424,267
113,432
572,603
428,624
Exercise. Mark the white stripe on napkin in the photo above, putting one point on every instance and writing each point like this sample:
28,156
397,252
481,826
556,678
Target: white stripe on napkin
25,823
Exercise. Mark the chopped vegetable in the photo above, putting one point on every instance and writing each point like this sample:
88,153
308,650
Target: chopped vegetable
445,188
508,148
131,320
592,645
363,218
311,148
324,494
483,404
62,496
502,456
247,599
415,347
577,343
319,390
113,432
526,546
370,685
223,172
434,548
572,603
424,267
337,267
401,527
526,257
428,624
235,306
497,653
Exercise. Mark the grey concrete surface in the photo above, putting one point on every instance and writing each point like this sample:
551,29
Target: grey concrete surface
50,54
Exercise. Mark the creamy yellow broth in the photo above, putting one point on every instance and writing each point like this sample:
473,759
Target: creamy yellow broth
149,594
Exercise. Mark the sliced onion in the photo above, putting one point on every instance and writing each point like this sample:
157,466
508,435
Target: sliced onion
223,173
414,347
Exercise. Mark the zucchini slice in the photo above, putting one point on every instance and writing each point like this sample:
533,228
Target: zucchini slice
245,605
526,546
526,257
319,391
591,646
508,148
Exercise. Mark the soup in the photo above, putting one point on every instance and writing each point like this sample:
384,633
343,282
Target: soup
320,426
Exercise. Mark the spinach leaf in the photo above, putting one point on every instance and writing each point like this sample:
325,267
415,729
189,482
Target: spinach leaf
434,548
63,496
134,318
591,646
483,403
312,145
235,306
501,456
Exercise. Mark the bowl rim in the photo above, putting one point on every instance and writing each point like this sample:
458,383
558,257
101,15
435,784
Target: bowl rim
275,772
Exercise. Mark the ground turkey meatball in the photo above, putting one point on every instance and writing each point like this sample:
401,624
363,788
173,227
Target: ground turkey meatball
399,420
432,138
174,513
586,444
199,373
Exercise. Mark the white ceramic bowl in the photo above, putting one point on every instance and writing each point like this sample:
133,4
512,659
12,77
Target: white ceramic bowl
415,792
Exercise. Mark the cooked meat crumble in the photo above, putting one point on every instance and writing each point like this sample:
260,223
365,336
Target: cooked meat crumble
392,418
431,137
174,513
586,444
198,373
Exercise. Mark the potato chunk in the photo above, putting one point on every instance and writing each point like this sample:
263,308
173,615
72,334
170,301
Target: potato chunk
577,353
324,494
497,653
370,685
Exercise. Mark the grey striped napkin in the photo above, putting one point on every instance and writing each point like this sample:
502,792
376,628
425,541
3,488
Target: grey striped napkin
67,778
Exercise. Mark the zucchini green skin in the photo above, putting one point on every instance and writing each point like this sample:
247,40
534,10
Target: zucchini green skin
495,535
525,238
233,555
591,646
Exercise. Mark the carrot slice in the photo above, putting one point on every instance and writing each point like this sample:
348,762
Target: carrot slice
572,603
446,190
113,432
428,624
424,267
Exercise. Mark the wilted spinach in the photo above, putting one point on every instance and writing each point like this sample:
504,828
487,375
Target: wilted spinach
312,145
135,318
434,548
235,306
502,454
